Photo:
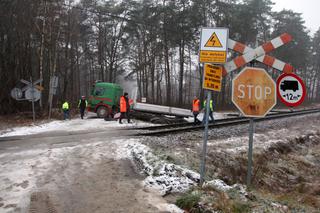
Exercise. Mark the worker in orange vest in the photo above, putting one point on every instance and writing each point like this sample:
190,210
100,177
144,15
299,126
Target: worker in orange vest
196,109
124,108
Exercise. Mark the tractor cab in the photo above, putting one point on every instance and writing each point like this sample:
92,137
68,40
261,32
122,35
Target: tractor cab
104,99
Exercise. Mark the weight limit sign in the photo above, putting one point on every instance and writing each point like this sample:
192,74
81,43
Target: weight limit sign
291,89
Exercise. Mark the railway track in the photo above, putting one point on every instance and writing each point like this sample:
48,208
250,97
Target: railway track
168,126
187,127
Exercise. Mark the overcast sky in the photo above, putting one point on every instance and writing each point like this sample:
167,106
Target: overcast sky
308,8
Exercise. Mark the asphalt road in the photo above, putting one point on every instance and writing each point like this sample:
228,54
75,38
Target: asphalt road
78,171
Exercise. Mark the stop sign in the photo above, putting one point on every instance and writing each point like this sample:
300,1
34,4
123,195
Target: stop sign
254,92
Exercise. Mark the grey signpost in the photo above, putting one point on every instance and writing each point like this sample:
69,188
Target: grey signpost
250,152
28,92
32,99
52,91
254,94
205,139
212,53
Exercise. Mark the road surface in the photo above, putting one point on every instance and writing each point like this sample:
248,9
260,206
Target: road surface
72,171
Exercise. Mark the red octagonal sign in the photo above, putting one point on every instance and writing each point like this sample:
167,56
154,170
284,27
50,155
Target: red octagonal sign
254,92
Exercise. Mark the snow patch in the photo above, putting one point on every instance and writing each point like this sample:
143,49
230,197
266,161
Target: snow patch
161,176
165,177
170,208
69,125
222,186
218,184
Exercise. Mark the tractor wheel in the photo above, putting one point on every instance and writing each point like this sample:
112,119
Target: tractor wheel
102,112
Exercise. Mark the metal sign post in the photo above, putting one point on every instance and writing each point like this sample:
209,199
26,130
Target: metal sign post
52,91
254,94
205,140
253,97
212,77
213,49
249,172
32,100
31,92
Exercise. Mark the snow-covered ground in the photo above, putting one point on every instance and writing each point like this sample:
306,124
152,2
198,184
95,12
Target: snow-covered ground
78,124
44,168
267,133
70,125
25,172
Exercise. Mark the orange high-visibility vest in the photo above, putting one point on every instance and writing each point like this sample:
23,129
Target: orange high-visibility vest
123,104
196,105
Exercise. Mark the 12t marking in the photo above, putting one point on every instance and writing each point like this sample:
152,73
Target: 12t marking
291,97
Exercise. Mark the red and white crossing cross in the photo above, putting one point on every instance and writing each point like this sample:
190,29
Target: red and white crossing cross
250,55
266,59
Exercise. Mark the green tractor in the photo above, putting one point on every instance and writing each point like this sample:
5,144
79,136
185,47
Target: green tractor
104,99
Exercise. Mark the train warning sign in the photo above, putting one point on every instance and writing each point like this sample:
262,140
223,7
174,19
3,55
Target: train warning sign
212,77
213,45
291,89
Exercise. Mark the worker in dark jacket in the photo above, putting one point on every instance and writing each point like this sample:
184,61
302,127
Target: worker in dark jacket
124,108
82,105
196,109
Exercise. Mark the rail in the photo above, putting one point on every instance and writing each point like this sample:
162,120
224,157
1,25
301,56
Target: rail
177,128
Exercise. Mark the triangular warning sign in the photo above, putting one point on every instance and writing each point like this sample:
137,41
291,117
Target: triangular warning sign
213,41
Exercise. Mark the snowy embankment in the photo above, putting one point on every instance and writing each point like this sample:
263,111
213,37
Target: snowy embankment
162,176
167,177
